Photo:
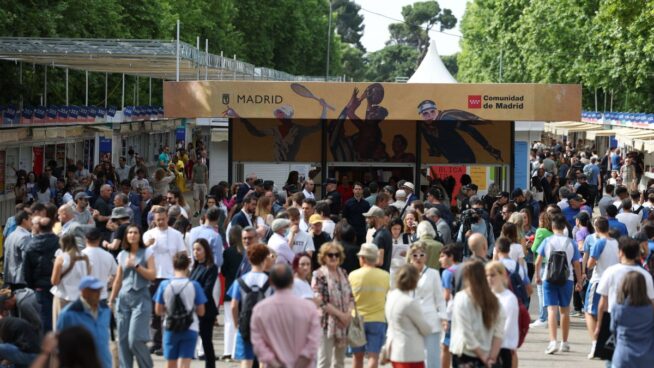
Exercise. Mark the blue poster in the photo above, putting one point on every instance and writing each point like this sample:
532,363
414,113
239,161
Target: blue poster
105,149
521,168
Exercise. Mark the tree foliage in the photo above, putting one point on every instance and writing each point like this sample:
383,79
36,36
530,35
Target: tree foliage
605,45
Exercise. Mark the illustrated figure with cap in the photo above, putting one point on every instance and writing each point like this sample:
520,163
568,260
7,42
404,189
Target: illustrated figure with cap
92,314
442,131
287,136
366,144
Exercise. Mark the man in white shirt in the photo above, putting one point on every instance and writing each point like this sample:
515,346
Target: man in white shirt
630,219
308,209
298,239
122,169
279,243
308,189
103,264
603,254
400,200
612,277
164,243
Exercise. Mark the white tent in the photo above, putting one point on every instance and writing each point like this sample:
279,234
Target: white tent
432,69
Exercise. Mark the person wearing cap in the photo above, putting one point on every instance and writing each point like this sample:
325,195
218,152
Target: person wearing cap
576,204
92,314
603,254
400,200
381,237
354,209
14,247
118,221
369,287
278,241
81,208
333,196
287,137
410,189
469,191
442,131
318,236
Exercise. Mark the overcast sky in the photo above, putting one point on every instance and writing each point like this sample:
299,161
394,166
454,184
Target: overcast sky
376,32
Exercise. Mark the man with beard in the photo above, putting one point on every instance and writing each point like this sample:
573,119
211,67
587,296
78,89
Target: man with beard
442,131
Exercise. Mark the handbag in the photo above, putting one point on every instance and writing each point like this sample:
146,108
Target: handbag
605,345
356,333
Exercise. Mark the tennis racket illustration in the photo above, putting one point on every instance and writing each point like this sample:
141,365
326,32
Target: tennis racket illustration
304,92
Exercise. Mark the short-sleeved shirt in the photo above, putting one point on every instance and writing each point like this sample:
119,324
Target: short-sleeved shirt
103,266
303,242
250,279
200,173
516,252
510,266
190,291
612,279
605,252
369,287
509,303
167,243
558,242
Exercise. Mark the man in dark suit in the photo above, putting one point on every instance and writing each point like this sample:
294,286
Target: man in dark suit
244,217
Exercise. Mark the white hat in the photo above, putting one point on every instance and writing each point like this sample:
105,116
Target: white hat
368,251
280,223
408,184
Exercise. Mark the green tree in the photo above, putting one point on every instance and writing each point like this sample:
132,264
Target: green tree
391,62
349,23
419,19
450,62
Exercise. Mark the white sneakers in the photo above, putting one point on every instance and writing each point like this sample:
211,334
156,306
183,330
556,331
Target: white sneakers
538,323
564,347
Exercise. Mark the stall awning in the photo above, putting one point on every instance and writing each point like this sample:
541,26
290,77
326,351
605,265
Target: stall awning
566,127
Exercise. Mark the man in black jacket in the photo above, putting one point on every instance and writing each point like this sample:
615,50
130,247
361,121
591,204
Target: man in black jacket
38,261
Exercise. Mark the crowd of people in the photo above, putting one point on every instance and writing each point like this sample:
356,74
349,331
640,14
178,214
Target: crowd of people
414,276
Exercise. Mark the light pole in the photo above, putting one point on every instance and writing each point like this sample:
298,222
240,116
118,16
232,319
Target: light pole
329,40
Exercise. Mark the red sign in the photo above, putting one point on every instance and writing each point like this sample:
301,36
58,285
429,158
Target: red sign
37,160
474,101
443,172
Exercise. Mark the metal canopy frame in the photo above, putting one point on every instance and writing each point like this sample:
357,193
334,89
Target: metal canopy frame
145,58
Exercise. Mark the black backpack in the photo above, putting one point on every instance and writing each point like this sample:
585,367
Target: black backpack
557,267
178,319
251,296
517,285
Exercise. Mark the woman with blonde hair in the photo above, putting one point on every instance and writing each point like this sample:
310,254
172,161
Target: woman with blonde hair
497,278
70,266
263,212
477,320
410,220
429,294
406,337
332,290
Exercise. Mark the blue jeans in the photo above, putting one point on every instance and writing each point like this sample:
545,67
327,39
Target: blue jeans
18,358
542,310
44,297
433,350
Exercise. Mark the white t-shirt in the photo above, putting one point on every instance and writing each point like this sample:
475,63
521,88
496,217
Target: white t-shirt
605,252
167,243
103,266
631,221
612,279
510,264
328,226
302,289
560,243
191,294
516,252
510,306
303,242
280,245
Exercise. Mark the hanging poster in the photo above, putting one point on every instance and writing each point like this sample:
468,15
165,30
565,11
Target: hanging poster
521,168
105,149
451,174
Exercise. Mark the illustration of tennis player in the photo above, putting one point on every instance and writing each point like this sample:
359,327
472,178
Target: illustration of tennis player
287,136
442,130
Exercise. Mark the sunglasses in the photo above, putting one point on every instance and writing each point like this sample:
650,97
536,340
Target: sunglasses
333,255
418,255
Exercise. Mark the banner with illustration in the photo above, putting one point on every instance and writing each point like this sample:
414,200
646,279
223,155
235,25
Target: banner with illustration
400,101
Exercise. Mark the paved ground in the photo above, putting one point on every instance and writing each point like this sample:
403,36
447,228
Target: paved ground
531,354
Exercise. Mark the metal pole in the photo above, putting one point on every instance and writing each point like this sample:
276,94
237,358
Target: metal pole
234,66
206,58
611,106
222,64
150,92
86,87
197,62
45,86
106,89
122,98
329,39
501,51
66,86
177,57
134,98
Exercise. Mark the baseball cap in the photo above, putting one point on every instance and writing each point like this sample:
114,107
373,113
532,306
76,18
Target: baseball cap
426,105
82,195
315,218
90,282
331,181
374,211
502,194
